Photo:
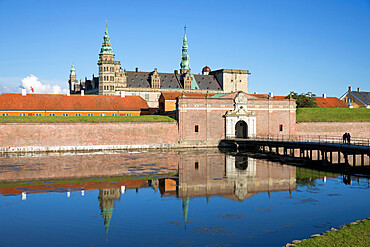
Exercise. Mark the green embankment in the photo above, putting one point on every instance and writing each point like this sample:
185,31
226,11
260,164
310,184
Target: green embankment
84,180
85,119
333,115
307,177
348,235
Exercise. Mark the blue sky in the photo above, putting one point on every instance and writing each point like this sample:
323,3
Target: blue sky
321,46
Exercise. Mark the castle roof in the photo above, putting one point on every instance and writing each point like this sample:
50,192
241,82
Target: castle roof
60,102
170,80
174,95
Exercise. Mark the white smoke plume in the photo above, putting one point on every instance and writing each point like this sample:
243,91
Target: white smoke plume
32,84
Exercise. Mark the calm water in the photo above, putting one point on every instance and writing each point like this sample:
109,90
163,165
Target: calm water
173,198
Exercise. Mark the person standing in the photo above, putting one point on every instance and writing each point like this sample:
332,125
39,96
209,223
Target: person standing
348,138
344,138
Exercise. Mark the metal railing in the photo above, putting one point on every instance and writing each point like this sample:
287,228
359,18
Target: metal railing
314,138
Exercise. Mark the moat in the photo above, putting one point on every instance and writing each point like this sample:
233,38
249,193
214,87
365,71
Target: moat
194,197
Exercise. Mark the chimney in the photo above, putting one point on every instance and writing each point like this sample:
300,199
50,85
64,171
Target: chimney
324,95
24,92
175,71
82,92
350,88
122,94
255,92
136,69
358,89
271,95
68,93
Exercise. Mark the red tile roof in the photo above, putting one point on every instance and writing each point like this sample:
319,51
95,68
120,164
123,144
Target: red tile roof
173,96
59,102
330,102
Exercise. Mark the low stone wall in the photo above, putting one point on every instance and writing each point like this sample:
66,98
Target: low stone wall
87,136
356,129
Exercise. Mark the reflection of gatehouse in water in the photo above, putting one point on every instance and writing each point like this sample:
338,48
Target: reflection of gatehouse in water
237,177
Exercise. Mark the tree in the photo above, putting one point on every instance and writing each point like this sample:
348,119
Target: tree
304,100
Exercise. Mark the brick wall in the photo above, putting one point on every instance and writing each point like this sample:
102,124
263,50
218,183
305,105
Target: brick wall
273,113
87,134
207,114
356,129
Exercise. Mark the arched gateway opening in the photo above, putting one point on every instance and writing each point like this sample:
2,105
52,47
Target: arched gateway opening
241,129
240,122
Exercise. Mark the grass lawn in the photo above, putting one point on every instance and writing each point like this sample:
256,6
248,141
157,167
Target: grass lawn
84,119
333,115
348,235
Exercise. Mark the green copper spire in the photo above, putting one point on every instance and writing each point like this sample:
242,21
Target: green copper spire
185,208
185,56
73,68
106,47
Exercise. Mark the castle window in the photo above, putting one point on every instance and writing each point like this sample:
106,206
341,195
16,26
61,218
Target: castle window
196,165
129,114
112,78
102,114
114,114
196,128
51,114
104,69
90,114
22,114
280,127
38,114
65,114
5,114
78,114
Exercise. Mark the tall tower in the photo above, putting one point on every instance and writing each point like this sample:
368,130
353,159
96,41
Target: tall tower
107,67
185,65
73,83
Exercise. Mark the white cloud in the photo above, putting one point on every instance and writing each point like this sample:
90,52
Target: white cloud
32,82
5,89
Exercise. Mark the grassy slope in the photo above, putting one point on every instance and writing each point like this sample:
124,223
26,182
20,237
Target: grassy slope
82,119
333,115
348,235
83,180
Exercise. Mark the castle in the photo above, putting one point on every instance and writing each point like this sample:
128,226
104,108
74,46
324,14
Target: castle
113,80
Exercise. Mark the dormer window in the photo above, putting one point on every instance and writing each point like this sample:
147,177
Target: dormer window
155,79
187,81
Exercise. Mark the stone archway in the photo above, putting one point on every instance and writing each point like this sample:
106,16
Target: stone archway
241,129
245,118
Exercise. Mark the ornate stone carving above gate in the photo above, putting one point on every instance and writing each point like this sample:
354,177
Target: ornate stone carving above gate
240,112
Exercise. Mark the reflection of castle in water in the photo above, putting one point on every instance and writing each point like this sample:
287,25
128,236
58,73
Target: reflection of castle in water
202,173
107,197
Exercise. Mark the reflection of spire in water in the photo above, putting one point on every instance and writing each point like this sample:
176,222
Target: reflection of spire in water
106,198
185,209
